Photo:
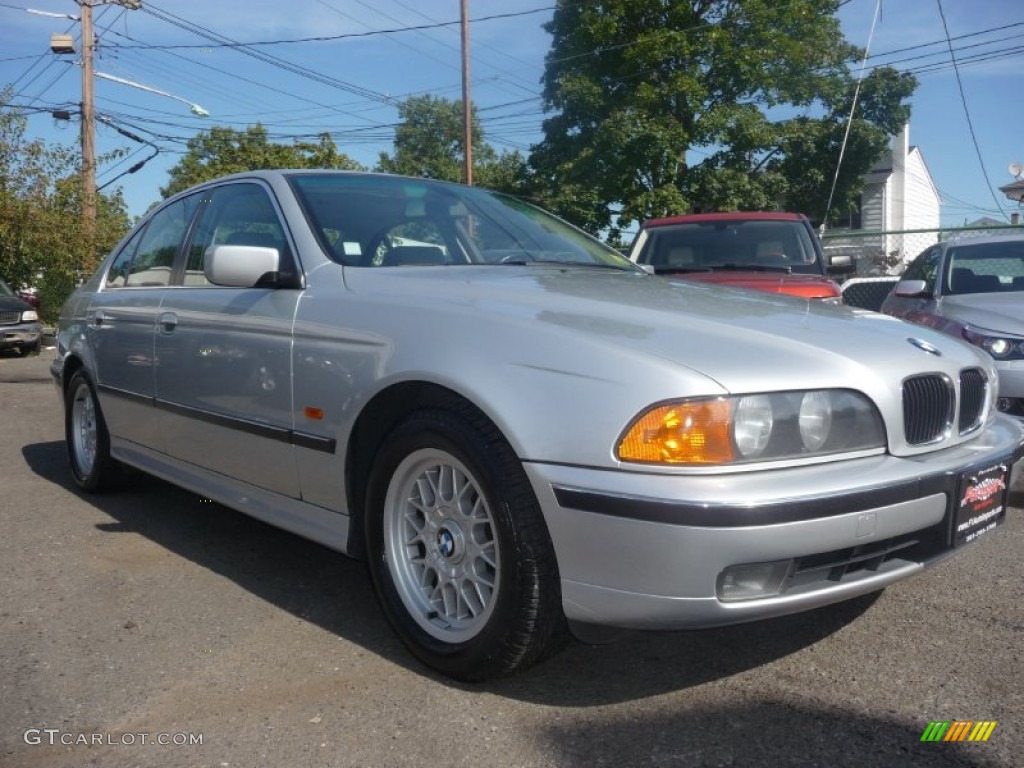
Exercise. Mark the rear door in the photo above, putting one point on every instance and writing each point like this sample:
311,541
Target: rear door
122,321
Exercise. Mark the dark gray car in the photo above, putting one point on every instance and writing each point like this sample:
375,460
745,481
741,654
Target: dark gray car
973,289
19,323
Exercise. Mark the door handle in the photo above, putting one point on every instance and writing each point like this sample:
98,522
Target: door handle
168,322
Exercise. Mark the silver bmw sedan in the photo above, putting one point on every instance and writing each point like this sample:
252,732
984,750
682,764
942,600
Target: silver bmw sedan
521,432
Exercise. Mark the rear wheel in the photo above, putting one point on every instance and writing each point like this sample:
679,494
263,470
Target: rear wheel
86,437
459,553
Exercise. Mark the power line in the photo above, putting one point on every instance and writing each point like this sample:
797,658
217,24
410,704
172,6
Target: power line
267,58
967,112
1000,28
228,43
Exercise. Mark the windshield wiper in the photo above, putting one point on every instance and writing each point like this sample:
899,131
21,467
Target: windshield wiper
752,268
520,262
662,269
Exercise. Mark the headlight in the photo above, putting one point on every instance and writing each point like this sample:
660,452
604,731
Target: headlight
758,427
29,315
815,419
752,427
1000,346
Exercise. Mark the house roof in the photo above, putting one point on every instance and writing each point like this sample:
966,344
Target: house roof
1014,191
985,221
882,169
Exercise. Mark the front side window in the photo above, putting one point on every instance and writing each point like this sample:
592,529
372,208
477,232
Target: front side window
234,214
924,267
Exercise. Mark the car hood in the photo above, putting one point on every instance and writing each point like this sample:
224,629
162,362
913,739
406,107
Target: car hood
743,340
13,304
806,286
991,311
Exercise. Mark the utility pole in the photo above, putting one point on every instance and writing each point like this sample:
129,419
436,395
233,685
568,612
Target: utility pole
89,108
88,121
467,110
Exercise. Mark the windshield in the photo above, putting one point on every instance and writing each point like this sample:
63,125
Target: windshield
985,268
783,246
385,221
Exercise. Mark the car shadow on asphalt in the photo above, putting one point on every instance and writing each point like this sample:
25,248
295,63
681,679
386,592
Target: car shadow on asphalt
334,592
762,731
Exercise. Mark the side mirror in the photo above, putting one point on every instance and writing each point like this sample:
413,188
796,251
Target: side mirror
648,268
240,266
913,289
841,264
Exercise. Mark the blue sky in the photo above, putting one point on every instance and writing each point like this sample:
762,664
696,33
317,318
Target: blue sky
349,85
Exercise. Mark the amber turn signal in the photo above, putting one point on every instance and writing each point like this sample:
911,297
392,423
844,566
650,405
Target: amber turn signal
696,432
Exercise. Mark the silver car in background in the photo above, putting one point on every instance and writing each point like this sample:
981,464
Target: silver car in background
520,431
972,288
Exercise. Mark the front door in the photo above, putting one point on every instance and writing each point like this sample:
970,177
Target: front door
223,384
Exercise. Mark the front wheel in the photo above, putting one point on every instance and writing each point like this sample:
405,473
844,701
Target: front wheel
459,552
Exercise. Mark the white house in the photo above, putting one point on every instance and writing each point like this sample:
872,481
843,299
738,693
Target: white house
898,190
898,195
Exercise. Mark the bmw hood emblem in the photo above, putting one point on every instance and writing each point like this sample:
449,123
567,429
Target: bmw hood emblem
924,346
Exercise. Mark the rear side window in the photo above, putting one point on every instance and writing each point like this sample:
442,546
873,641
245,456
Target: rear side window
117,276
147,259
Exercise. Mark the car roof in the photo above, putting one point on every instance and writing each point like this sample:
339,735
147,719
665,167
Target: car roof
995,237
707,218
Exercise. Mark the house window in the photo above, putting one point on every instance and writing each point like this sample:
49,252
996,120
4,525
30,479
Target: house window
854,219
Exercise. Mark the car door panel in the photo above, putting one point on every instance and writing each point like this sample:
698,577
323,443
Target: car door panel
121,322
223,384
120,330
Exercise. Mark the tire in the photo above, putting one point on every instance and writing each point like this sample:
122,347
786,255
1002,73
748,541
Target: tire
86,437
31,350
459,554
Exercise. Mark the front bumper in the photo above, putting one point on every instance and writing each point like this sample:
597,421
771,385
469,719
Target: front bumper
1011,387
20,336
646,550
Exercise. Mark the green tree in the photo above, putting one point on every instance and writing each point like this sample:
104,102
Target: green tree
429,143
42,239
220,151
662,106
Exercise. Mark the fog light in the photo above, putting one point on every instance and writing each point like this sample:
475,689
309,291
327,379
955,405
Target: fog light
752,580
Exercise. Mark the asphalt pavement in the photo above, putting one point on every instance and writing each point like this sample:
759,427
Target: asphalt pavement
153,628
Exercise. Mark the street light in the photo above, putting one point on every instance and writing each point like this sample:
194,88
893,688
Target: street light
195,109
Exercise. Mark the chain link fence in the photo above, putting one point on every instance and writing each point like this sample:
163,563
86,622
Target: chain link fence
883,253
880,257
